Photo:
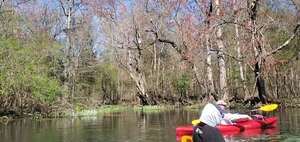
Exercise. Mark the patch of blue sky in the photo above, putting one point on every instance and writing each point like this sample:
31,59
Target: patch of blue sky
98,37
281,5
189,9
129,3
52,4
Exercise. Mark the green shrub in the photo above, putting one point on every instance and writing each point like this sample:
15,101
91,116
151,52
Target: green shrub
109,81
24,69
182,84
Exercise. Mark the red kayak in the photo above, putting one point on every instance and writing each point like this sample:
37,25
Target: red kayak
240,126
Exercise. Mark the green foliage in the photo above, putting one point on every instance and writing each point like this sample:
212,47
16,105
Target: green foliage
45,88
79,107
291,51
109,83
278,37
86,75
9,23
25,69
9,43
182,83
112,108
109,73
153,109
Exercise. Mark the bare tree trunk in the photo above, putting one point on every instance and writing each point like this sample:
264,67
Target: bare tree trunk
154,57
1,4
155,69
134,66
158,73
238,49
221,56
139,78
260,82
68,70
256,45
211,88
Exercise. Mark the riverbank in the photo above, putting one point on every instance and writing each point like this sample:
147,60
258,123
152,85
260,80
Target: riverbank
85,112
82,112
295,103
122,108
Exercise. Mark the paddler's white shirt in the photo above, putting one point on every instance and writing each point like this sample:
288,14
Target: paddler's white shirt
210,115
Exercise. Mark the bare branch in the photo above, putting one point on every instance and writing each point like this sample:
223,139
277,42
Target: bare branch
251,67
63,7
172,43
229,55
285,43
119,59
199,5
22,2
296,6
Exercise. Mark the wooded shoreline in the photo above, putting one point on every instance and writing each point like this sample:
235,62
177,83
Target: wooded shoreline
77,55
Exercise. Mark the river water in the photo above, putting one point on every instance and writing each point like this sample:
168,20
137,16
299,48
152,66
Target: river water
133,126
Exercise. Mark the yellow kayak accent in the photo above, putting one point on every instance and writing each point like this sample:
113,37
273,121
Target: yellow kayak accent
195,122
269,107
186,139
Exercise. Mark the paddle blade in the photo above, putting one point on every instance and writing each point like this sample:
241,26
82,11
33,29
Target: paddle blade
269,107
195,122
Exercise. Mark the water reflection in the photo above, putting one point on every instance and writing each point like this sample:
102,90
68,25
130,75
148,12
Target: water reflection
135,127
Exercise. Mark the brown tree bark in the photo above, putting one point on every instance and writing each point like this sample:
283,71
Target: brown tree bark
221,56
211,88
258,50
238,48
68,10
134,66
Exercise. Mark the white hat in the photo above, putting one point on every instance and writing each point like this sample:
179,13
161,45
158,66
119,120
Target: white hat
221,102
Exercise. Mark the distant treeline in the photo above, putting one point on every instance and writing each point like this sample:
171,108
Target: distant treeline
70,55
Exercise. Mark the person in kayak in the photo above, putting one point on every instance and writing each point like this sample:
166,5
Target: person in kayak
230,118
205,130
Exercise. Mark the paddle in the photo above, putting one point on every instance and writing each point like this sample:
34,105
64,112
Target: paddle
265,108
195,122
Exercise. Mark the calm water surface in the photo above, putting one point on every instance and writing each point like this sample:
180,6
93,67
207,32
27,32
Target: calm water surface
134,127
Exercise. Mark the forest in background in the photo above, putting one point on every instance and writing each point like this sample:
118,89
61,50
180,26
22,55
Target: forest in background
67,54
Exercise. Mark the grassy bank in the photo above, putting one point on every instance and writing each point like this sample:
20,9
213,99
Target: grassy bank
123,108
